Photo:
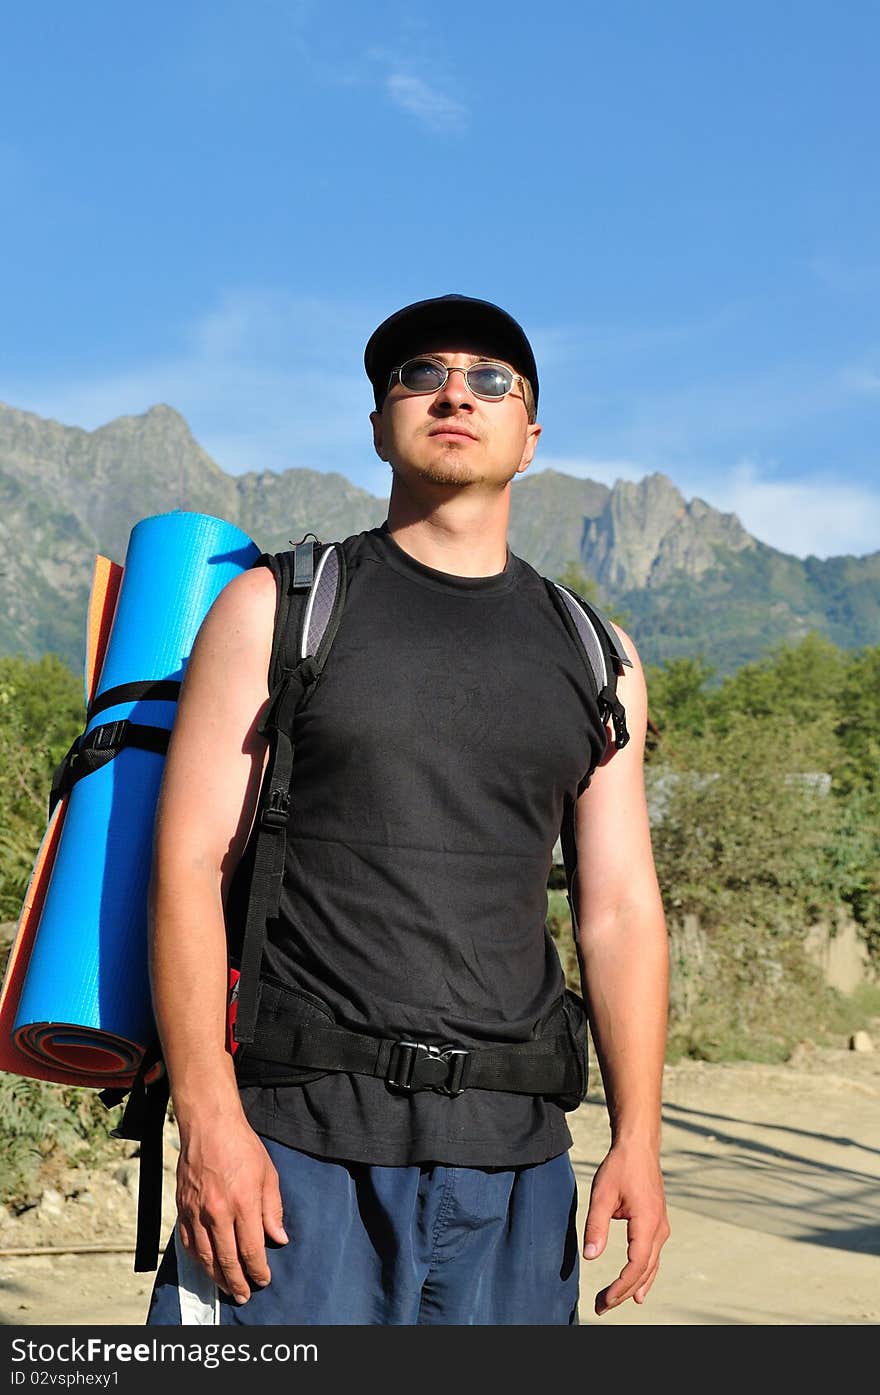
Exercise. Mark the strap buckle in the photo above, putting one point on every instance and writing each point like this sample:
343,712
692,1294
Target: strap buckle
104,738
416,1065
277,809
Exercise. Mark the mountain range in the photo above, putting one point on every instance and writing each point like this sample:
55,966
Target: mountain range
686,579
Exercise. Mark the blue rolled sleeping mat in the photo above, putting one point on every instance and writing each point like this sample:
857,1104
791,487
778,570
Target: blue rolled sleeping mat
84,1012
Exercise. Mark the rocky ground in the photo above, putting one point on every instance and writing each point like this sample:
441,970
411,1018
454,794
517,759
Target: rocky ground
773,1183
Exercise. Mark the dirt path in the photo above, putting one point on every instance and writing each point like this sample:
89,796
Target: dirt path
773,1182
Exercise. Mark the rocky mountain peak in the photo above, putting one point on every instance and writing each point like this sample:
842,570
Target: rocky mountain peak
648,530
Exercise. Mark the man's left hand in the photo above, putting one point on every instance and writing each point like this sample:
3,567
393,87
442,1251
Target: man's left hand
628,1185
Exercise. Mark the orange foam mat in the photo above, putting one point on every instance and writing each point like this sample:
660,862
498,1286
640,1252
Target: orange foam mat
106,581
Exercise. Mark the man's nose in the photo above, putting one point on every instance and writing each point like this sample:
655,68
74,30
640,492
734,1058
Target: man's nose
455,390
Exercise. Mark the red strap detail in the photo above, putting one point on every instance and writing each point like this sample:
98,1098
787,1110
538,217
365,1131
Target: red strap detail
232,1011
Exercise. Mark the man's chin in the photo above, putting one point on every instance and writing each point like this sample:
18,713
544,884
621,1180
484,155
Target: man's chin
449,471
451,476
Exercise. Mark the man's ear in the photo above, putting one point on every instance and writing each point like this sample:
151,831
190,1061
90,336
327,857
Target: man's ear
376,422
533,431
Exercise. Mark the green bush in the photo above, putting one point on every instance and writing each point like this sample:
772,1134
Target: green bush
559,925
44,1125
42,709
764,825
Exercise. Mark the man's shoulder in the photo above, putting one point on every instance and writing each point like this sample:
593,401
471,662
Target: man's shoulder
247,594
529,582
356,545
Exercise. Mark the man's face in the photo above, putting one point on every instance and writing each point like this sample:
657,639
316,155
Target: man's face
451,437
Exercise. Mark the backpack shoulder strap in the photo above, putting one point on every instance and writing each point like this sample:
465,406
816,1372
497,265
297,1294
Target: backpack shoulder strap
311,588
601,648
310,582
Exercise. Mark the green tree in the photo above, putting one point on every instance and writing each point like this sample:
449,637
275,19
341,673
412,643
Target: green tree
42,708
678,697
858,725
803,681
747,843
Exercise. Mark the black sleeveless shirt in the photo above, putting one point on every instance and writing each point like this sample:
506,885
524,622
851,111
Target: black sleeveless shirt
453,719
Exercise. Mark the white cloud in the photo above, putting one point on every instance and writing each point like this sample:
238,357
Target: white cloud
805,516
430,106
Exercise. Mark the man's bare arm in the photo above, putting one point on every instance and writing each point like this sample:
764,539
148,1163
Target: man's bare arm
227,1188
624,958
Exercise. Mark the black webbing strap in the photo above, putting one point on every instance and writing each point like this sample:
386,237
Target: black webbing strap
304,563
283,1039
301,642
96,748
151,690
273,810
569,856
143,1120
92,750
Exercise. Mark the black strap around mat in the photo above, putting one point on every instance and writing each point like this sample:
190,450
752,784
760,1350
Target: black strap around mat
148,690
96,748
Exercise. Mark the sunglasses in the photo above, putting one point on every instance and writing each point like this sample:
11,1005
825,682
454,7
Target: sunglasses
488,380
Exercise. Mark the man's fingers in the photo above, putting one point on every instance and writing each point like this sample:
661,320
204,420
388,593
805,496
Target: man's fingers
594,1241
603,1203
624,1286
598,1220
227,1263
214,1246
632,1282
252,1251
643,1252
252,1230
273,1208
197,1240
641,1293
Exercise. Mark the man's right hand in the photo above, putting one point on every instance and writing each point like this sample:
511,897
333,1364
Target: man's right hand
228,1202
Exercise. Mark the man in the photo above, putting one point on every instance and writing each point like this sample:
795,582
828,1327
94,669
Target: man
433,762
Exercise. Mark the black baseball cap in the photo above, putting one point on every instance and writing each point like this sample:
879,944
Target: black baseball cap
477,324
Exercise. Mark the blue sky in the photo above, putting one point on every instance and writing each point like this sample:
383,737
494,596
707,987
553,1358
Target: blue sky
213,204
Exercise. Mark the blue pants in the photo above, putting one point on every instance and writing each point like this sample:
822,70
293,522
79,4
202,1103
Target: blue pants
400,1246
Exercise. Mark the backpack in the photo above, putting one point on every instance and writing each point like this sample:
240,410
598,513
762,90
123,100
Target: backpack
311,585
